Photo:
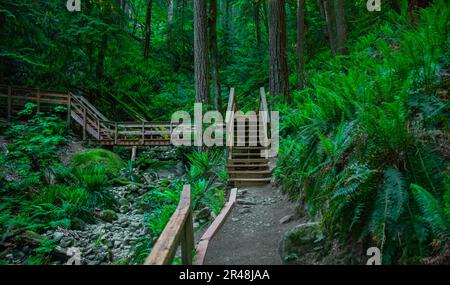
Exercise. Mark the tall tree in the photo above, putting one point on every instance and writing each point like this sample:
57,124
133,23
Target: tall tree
341,27
301,42
257,17
214,54
278,69
330,21
170,9
201,52
148,28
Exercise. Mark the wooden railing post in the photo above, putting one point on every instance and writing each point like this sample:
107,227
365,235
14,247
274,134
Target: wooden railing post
84,123
187,240
98,128
143,132
69,109
179,230
115,132
9,103
38,99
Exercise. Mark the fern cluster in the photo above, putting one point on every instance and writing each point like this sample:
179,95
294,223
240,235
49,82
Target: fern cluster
364,145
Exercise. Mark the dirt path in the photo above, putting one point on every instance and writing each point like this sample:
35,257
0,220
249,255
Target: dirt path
252,232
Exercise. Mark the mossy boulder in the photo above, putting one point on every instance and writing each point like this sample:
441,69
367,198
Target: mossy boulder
90,157
303,244
108,216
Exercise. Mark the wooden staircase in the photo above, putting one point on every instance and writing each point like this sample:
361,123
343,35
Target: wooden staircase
247,164
95,127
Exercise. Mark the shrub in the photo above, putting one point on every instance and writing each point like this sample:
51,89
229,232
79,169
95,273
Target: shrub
111,162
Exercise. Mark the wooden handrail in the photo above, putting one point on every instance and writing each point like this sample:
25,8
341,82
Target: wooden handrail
229,119
92,121
178,230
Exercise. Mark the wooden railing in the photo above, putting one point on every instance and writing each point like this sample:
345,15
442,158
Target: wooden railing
264,116
178,231
229,119
95,126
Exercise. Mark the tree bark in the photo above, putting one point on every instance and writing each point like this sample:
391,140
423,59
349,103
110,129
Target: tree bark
277,48
101,58
341,27
201,53
170,9
301,42
330,21
214,54
148,29
257,17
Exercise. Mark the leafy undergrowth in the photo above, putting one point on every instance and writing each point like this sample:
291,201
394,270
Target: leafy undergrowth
366,146
206,175
38,192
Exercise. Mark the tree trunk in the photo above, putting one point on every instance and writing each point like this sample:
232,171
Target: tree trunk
214,54
201,53
324,18
101,63
170,8
329,18
341,27
301,42
256,7
277,48
148,28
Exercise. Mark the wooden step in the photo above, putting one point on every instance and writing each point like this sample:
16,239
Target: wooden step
243,160
250,173
246,155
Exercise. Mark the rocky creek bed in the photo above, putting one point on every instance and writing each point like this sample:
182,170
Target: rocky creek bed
111,239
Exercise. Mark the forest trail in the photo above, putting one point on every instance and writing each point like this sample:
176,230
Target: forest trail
252,232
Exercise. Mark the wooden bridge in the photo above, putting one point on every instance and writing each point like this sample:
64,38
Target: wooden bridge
95,127
246,161
246,164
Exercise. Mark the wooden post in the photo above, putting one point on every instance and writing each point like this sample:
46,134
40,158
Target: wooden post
98,128
115,133
84,123
69,109
133,153
187,240
38,101
143,132
9,103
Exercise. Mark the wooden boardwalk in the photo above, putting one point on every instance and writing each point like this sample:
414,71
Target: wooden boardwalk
95,127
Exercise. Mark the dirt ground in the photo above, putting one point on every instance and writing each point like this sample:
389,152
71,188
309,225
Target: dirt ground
252,232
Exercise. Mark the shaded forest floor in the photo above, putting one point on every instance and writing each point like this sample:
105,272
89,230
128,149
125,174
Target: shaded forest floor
252,232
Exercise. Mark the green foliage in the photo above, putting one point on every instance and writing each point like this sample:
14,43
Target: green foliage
364,135
161,201
110,162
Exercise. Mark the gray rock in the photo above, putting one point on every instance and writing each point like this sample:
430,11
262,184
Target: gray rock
57,236
286,219
108,215
302,244
204,213
65,242
244,211
246,202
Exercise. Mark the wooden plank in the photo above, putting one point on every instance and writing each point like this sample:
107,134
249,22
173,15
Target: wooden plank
218,222
165,247
38,100
69,110
201,249
187,239
84,123
202,246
